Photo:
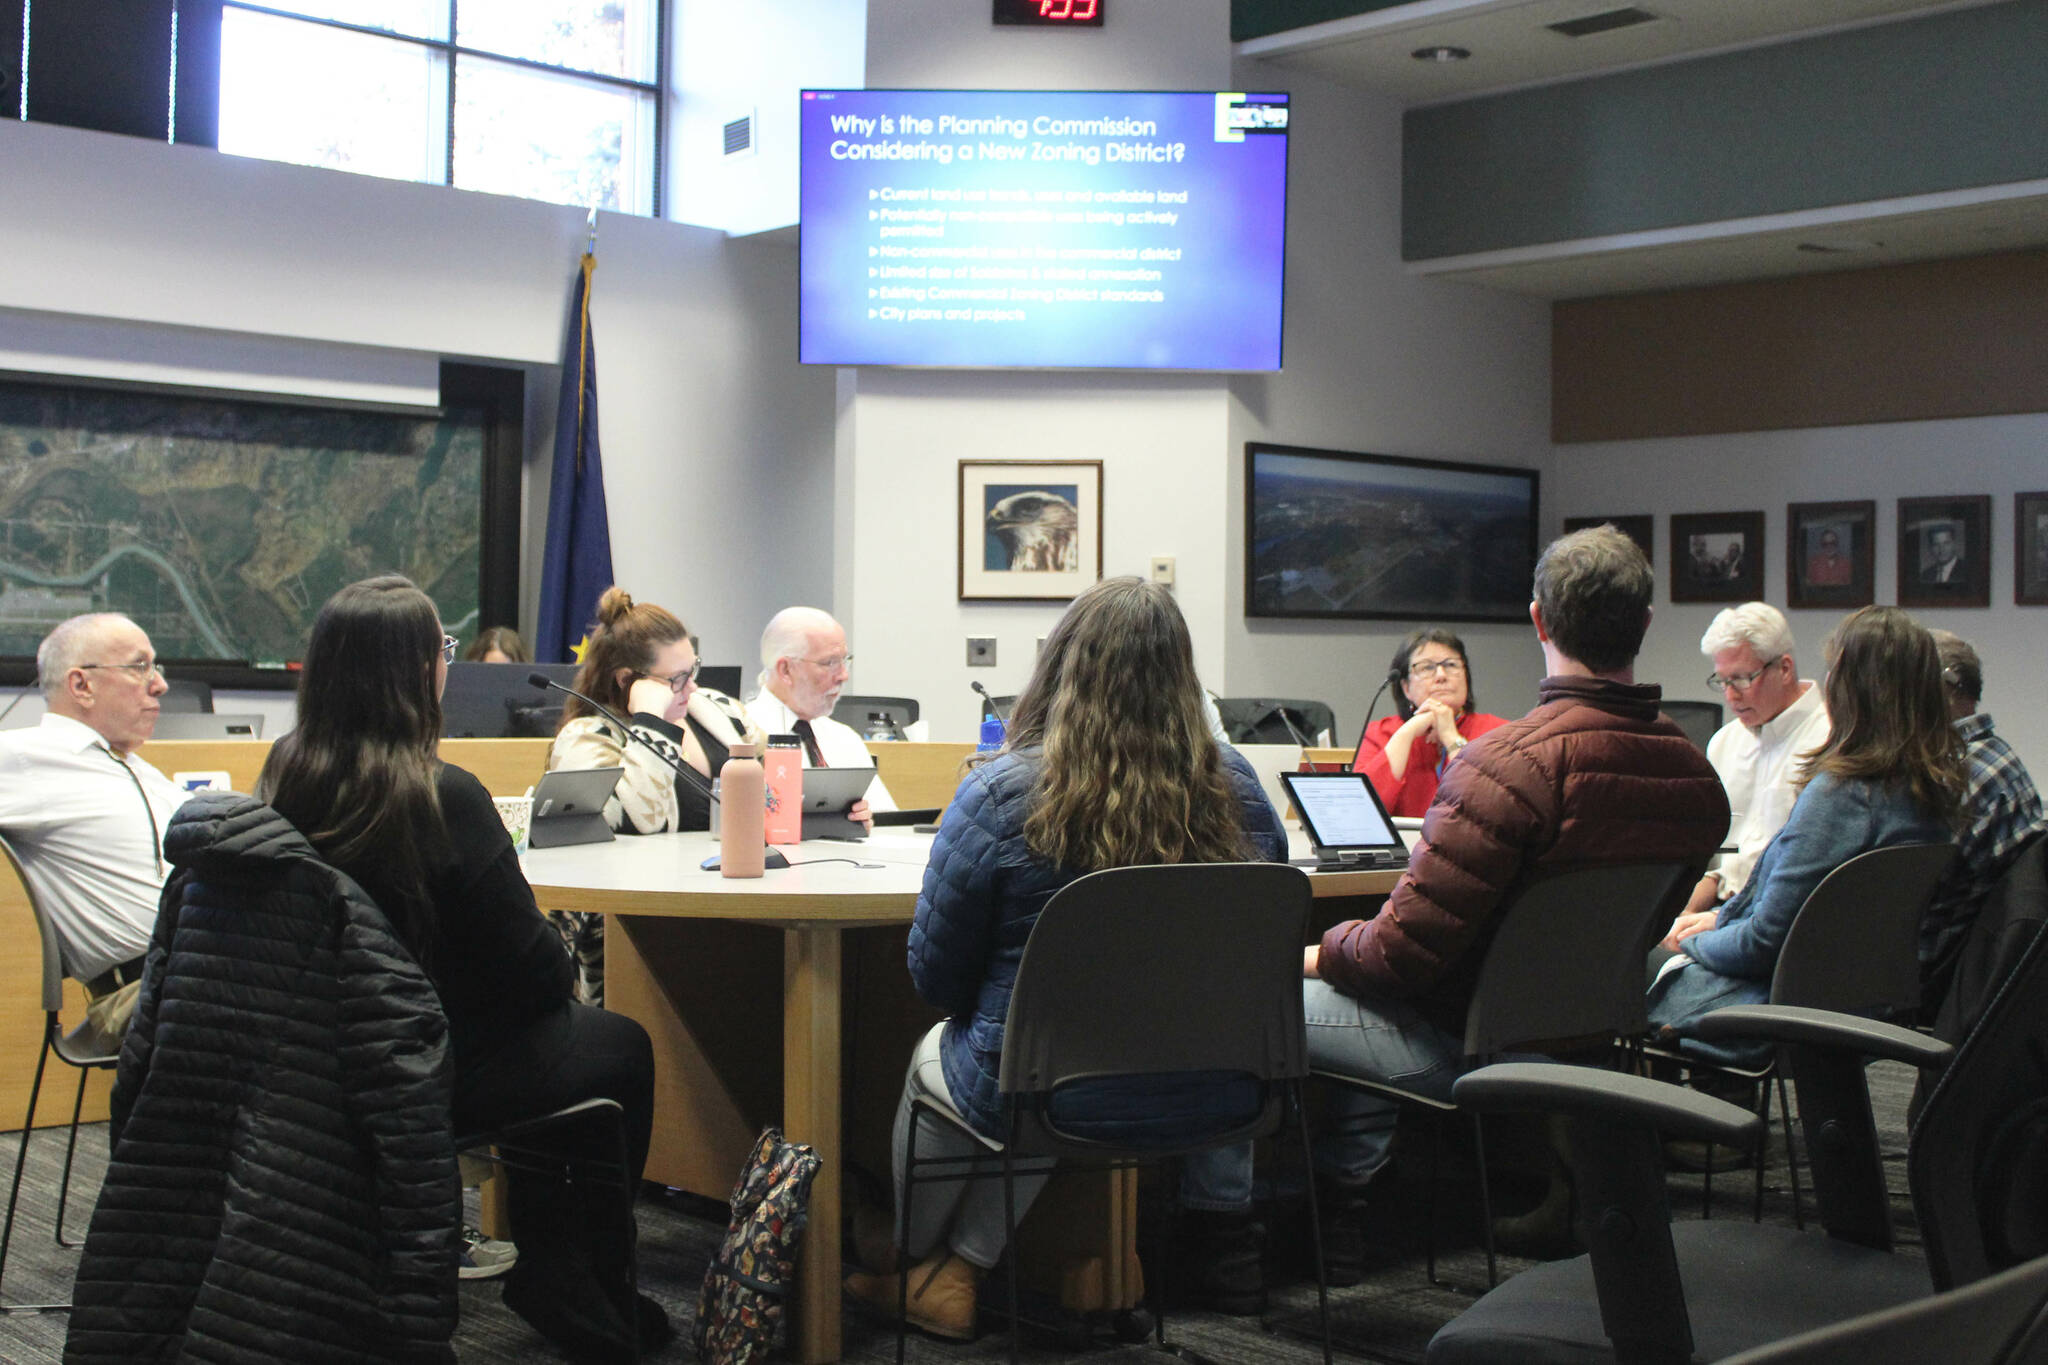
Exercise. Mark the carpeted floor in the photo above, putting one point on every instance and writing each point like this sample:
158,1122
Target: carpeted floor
1389,1317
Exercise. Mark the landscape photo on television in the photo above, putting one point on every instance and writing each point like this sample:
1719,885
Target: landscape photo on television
1339,534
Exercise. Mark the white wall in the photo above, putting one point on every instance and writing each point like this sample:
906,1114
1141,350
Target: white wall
1380,361
123,252
1767,470
1163,439
729,60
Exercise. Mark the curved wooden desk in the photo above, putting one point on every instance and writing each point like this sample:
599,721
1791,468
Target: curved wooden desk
702,1130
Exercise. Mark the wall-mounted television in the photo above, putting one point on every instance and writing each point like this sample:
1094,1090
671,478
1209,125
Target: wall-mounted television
1337,533
1043,229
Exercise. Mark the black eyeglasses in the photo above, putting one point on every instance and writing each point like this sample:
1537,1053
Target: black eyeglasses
1740,682
1430,668
677,681
449,644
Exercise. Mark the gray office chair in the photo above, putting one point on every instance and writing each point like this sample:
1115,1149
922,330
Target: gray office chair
865,713
1996,1321
1565,965
1853,947
1656,1290
1699,719
82,1047
1220,991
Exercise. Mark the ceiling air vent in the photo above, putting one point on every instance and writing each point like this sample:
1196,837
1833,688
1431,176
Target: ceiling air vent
739,135
1626,17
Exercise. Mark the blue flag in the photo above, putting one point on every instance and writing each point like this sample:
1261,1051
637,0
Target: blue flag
577,565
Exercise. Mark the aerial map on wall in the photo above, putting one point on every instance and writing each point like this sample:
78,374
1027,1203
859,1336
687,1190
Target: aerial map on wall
221,525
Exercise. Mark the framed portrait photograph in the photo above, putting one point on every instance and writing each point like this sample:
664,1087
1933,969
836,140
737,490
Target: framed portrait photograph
1641,529
2030,549
1830,555
1945,552
1333,534
1030,530
1717,556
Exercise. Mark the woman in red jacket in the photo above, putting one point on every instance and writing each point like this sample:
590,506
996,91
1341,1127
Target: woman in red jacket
1404,755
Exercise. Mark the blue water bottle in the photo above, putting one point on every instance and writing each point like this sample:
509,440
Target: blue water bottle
991,735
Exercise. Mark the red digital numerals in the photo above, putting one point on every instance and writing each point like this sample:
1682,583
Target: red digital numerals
1078,11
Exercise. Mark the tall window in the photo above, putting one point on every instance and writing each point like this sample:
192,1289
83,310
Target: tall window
545,99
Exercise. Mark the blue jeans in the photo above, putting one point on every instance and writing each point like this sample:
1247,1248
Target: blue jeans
1373,1039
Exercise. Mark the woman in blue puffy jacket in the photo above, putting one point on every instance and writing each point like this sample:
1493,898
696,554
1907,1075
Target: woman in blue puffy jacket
1109,763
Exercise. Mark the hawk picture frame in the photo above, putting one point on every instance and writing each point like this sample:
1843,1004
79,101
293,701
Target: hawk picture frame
1945,551
1030,530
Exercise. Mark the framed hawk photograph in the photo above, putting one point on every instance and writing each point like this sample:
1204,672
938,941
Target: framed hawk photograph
1030,530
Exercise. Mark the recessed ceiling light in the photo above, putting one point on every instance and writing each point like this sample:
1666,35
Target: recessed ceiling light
1838,246
1440,54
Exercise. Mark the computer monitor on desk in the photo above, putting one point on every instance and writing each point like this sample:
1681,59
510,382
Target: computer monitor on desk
495,701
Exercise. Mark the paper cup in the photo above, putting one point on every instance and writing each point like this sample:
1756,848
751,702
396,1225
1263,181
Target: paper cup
517,813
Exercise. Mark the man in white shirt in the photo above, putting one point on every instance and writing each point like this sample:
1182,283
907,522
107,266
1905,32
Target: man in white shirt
84,814
1779,718
804,667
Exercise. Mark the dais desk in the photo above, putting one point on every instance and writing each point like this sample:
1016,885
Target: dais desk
668,965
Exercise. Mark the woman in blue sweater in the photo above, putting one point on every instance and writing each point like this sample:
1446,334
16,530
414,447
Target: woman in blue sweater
1109,763
1891,772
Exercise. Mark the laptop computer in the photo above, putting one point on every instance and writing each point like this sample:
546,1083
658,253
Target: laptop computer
568,807
828,792
1346,822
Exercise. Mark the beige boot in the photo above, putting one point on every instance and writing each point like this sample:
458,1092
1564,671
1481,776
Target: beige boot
943,1293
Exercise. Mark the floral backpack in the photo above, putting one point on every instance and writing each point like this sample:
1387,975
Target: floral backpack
743,1313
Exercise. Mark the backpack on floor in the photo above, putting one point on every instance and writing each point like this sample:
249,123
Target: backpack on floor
743,1313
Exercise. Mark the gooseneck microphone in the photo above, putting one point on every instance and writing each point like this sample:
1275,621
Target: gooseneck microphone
994,709
1393,676
1284,713
682,769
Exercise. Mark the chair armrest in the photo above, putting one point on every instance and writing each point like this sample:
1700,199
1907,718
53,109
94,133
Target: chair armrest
1583,1090
1823,1028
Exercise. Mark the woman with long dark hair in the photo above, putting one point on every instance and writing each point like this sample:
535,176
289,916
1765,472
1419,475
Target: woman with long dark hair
1109,763
359,776
1890,772
1404,755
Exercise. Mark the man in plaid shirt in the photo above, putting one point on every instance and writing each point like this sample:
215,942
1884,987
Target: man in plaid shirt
2003,811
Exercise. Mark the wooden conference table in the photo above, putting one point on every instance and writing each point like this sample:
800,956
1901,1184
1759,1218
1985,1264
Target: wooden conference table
685,956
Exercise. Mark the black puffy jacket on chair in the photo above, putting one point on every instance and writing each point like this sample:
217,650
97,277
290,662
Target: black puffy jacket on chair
282,1183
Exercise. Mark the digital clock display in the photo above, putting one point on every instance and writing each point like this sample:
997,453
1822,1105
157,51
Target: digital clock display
1050,13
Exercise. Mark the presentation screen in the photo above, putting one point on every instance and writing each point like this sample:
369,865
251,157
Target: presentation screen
1043,229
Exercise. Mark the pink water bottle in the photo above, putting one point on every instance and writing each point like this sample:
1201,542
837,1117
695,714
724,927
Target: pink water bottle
741,841
785,772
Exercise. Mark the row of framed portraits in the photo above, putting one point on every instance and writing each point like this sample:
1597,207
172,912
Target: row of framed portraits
1944,552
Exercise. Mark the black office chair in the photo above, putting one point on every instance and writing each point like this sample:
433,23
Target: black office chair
523,1145
1996,1321
1275,720
1651,1290
1566,965
1699,719
994,706
866,714
1853,947
1217,989
82,1047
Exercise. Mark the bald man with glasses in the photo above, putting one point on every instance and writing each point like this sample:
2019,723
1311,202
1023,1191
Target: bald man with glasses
84,814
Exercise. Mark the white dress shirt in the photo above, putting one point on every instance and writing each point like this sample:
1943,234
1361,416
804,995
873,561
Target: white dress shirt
841,745
83,831
1758,769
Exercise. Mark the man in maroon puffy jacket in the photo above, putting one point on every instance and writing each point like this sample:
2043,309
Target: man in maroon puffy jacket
1593,775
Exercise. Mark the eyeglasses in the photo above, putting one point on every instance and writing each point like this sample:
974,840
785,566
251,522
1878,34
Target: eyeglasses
142,671
1449,668
449,644
677,681
833,664
1740,682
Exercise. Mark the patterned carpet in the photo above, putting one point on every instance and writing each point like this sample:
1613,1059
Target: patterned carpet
1389,1317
